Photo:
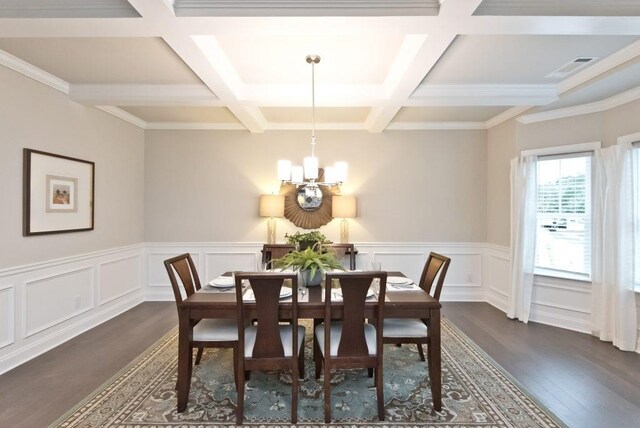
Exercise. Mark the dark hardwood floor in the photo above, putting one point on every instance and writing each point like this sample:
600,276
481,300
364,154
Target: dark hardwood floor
585,382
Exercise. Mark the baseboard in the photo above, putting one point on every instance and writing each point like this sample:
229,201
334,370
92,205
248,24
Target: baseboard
51,340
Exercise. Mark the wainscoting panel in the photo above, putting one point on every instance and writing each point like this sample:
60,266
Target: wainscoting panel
7,315
496,278
218,262
119,277
56,298
47,303
464,279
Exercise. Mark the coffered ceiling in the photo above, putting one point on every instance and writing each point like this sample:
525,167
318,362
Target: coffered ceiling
213,64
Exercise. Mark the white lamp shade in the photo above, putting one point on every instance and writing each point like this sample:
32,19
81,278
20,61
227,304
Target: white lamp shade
343,206
341,171
297,174
271,205
330,175
284,170
310,167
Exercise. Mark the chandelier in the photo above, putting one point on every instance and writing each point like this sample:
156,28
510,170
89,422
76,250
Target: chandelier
307,175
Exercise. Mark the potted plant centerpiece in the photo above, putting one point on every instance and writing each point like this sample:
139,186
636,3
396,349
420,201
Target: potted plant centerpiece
304,240
310,263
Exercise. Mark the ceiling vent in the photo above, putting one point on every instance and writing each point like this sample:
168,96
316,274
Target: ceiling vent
571,67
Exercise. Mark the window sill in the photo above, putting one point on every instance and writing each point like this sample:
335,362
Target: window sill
550,273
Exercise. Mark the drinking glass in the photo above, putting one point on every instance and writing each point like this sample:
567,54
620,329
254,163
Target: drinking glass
261,266
377,266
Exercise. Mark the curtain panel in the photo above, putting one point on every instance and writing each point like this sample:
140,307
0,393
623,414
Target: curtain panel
613,313
523,236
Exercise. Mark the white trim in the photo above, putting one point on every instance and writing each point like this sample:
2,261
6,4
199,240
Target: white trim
582,109
100,301
57,262
559,150
124,115
506,115
28,70
482,95
10,314
427,126
555,273
25,314
196,126
629,138
50,341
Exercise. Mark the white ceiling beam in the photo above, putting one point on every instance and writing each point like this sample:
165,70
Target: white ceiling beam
143,95
416,58
161,12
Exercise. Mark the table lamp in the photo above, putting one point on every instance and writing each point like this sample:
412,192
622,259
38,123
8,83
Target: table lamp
271,206
343,207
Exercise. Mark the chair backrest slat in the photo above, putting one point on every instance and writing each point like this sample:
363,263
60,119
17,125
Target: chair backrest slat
185,268
436,266
266,289
355,286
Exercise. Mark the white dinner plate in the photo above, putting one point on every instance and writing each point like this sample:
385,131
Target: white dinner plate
370,293
398,280
223,282
284,293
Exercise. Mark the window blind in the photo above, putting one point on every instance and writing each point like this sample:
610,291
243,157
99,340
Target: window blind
563,239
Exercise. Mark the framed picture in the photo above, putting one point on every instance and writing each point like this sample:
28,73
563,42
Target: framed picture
58,193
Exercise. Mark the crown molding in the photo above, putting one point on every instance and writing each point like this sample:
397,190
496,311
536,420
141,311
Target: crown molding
602,67
428,126
578,110
126,116
143,95
195,126
33,72
506,115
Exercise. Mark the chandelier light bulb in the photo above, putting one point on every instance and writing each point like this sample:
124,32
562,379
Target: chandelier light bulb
284,170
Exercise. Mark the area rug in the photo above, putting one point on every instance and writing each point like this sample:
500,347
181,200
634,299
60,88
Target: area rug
476,392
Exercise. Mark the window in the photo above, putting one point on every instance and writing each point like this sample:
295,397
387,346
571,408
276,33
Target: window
563,237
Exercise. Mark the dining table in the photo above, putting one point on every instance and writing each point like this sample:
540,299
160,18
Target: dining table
399,303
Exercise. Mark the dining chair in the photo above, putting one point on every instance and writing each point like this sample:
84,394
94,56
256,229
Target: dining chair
267,344
343,249
207,333
275,251
413,330
350,342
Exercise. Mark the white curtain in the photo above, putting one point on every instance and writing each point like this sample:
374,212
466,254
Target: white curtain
613,300
524,207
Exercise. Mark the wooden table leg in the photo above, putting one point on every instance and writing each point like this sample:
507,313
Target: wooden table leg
435,364
184,359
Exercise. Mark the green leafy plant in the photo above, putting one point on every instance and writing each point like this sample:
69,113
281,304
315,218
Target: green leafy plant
313,236
309,259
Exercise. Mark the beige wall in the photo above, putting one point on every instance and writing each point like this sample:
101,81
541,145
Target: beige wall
509,139
501,147
410,185
35,116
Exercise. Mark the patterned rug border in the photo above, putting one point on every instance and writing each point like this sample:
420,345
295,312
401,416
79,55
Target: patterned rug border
173,332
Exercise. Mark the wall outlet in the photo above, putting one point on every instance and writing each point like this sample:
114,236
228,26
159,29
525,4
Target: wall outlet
470,278
78,302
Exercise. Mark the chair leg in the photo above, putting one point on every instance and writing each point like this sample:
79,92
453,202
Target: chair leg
240,405
420,351
235,366
370,371
380,390
398,345
301,374
294,392
317,359
199,355
327,394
